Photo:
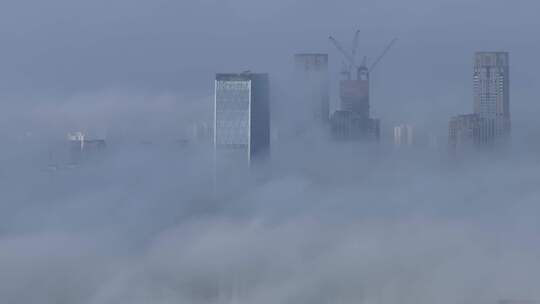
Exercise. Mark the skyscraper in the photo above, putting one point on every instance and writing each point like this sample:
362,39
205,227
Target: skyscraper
241,118
489,125
492,96
312,88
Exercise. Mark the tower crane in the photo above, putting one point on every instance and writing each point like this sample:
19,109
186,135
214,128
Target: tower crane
354,49
350,57
372,67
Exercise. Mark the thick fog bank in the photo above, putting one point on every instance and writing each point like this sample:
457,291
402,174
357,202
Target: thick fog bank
343,223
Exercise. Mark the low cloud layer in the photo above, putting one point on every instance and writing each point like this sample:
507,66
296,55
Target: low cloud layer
146,227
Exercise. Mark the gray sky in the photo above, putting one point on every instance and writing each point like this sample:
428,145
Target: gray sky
54,50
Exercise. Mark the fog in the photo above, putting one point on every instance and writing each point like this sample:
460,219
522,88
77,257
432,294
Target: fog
322,222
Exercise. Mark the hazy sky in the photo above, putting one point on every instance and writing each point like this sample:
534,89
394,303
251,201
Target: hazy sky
55,50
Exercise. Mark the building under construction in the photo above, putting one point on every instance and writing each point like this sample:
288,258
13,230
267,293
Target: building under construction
352,122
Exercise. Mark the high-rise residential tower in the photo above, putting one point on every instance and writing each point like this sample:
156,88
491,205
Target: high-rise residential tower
312,92
242,117
492,96
489,125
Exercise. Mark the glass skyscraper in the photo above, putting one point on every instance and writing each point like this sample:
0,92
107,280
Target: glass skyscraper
241,118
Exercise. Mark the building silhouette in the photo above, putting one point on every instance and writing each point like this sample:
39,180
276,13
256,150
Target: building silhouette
312,88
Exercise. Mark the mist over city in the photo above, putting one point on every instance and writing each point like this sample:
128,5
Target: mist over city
231,152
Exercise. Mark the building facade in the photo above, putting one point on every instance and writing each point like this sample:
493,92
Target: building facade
492,96
242,118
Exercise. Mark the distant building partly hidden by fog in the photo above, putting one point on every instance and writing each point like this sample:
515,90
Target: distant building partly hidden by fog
489,126
203,132
352,122
241,119
464,132
82,149
349,126
403,135
311,90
